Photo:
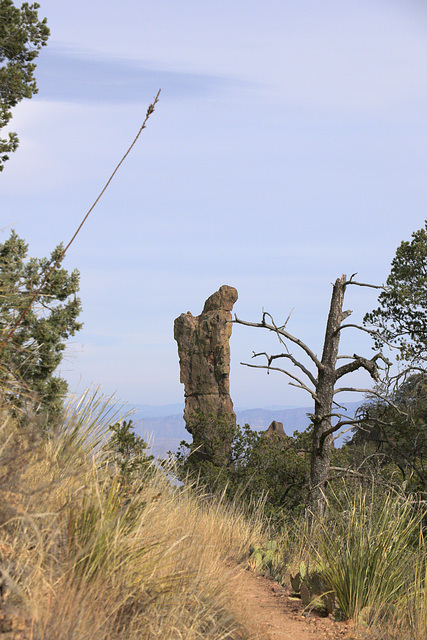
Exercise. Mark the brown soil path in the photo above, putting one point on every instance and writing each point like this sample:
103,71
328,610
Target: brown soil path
270,614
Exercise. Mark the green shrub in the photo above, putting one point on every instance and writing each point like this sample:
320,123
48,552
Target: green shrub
273,469
128,452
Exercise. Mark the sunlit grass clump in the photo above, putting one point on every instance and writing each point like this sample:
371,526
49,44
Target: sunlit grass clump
83,559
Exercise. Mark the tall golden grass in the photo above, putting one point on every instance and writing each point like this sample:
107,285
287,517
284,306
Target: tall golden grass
79,560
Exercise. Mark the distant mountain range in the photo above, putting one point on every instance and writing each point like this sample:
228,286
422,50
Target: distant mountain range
164,428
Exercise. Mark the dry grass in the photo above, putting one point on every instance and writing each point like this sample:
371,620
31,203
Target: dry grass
79,560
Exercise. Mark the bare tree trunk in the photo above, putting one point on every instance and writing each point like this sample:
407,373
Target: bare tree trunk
322,441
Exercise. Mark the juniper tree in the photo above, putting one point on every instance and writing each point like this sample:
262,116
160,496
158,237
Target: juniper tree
395,426
29,358
400,320
393,434
22,35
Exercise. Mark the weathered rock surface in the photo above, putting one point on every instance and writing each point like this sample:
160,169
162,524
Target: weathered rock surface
204,358
275,428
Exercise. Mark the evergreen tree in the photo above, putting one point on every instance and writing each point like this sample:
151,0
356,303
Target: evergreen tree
22,35
393,435
30,357
401,317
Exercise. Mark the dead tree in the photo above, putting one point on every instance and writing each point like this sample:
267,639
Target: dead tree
321,385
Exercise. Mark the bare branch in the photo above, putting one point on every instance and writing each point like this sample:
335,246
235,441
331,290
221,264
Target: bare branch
371,332
302,386
343,432
378,421
53,266
300,383
355,472
374,393
355,390
287,319
330,415
381,356
363,284
340,406
348,471
359,362
294,361
337,427
393,381
285,334
265,315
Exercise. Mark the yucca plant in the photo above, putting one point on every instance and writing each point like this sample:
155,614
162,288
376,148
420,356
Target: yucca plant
98,528
84,427
364,547
411,618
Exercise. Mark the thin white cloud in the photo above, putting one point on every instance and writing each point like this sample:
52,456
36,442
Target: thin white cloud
81,77
330,54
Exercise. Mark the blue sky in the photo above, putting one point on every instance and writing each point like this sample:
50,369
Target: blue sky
288,147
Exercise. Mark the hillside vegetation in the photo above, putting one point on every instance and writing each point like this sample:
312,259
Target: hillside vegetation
85,553
91,551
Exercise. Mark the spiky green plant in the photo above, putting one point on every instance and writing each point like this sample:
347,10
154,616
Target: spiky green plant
84,427
363,546
100,527
412,607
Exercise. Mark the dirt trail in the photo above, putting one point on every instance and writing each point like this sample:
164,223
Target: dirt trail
270,614
264,606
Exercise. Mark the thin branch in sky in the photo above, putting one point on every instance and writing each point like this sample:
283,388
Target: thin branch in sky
150,110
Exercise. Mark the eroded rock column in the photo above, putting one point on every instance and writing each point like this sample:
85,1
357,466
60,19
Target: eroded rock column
204,359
